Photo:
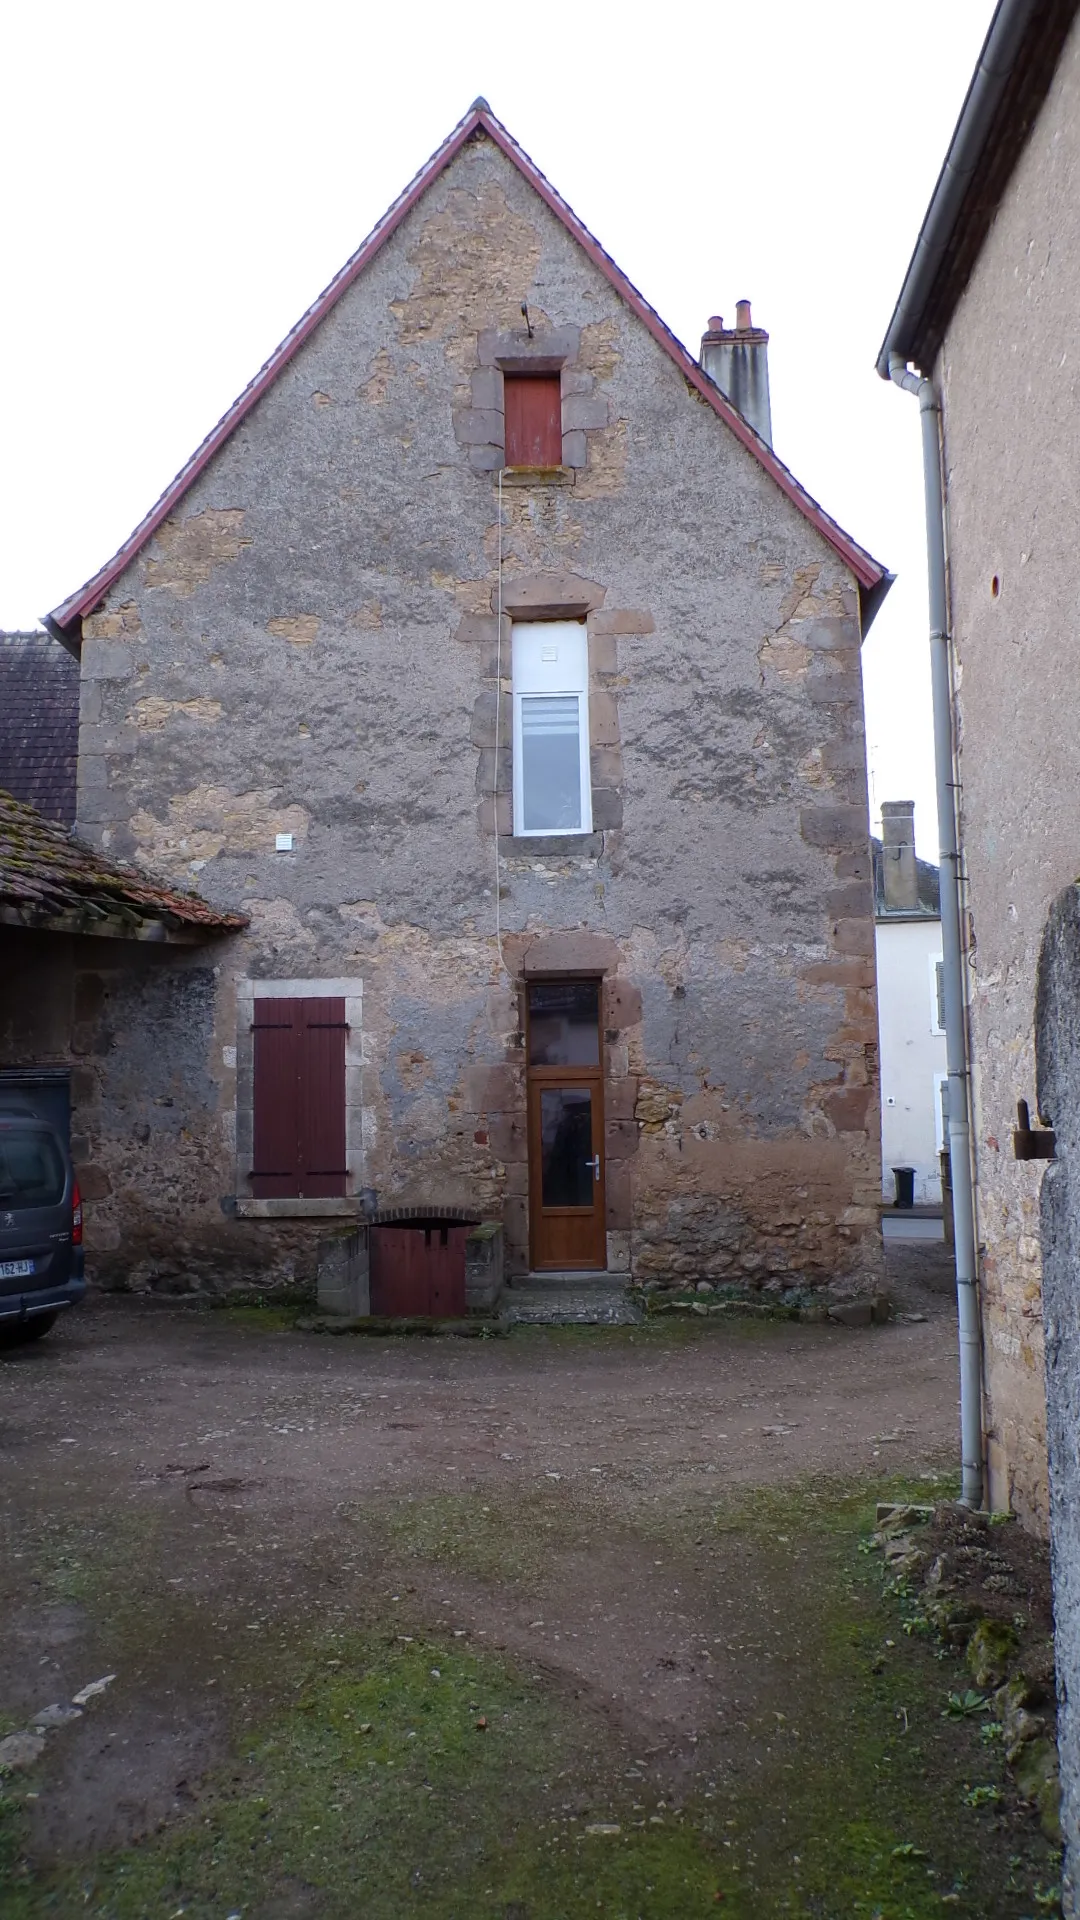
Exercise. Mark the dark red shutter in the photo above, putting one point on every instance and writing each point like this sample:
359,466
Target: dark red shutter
299,1117
275,1169
321,1099
532,406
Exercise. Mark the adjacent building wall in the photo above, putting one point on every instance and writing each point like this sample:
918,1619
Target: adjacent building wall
1009,374
912,1053
311,647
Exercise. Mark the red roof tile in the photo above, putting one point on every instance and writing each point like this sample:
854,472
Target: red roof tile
49,879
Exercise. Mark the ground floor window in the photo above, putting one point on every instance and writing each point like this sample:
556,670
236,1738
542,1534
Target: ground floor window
299,1099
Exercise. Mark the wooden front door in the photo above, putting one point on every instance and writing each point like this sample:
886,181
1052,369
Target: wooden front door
567,1223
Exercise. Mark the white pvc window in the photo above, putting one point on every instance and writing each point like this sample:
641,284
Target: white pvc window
552,788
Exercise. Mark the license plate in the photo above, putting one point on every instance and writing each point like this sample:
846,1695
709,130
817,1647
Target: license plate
16,1269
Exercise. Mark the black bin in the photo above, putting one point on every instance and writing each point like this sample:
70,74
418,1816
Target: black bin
904,1180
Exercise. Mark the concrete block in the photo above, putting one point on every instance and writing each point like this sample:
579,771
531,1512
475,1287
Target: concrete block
486,385
343,1282
622,620
838,827
585,411
484,1267
575,449
853,1313
603,720
106,660
607,811
486,459
478,427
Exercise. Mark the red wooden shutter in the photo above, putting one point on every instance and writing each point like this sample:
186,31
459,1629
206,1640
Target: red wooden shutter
275,1170
299,1118
321,1099
532,404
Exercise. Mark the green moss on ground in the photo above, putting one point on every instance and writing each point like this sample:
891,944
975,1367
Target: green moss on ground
387,1774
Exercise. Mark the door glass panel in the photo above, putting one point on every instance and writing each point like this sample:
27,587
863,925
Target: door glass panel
550,762
567,1178
564,1023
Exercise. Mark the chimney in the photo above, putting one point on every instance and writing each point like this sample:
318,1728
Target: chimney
899,874
737,359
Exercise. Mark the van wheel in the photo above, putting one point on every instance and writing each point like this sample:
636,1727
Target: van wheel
26,1330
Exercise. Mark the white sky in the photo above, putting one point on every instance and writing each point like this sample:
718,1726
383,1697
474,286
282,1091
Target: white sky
180,181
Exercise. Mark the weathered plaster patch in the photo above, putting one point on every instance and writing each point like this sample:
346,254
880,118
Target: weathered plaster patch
367,617
187,551
123,623
210,820
153,712
377,385
606,471
298,629
474,261
599,353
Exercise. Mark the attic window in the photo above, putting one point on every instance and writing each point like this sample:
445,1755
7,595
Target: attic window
532,405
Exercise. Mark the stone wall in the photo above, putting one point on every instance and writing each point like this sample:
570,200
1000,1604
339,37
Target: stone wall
1008,375
312,646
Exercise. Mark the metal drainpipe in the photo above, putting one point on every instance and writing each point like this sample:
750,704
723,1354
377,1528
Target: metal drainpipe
952,956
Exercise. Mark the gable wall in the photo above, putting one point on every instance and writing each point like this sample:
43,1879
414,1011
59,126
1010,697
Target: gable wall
310,646
1009,376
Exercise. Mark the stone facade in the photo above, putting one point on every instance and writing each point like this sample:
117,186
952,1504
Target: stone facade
310,646
1008,374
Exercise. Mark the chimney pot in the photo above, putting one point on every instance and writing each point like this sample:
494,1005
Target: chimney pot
736,359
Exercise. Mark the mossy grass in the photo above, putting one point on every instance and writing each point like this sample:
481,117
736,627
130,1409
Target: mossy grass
388,1773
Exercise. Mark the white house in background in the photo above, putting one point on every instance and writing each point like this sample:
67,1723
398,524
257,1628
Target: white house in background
911,1015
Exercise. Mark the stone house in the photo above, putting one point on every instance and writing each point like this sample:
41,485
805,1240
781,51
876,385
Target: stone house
989,312
486,656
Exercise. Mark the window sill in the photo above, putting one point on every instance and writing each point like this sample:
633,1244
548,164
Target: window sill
542,845
343,1207
538,476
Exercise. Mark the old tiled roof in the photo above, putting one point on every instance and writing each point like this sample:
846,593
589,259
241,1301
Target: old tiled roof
874,579
48,879
39,723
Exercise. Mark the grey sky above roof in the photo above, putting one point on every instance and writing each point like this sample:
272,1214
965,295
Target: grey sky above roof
1010,83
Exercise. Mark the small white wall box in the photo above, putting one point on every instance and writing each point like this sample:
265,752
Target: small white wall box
283,843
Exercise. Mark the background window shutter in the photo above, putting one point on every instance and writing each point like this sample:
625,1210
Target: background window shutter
275,1171
299,1117
532,408
939,989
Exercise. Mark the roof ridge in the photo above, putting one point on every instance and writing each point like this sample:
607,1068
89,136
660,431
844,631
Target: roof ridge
874,579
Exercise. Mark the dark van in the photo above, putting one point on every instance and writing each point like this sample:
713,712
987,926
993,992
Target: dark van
41,1250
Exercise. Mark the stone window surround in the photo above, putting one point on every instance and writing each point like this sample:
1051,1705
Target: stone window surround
248,990
479,426
535,597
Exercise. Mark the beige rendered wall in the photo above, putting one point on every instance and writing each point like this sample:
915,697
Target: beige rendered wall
1009,374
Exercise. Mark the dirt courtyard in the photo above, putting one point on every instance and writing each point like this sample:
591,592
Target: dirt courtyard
572,1621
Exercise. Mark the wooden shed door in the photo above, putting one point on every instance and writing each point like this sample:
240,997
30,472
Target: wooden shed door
418,1271
567,1210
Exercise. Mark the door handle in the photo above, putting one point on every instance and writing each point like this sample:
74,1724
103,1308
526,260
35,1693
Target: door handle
595,1165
